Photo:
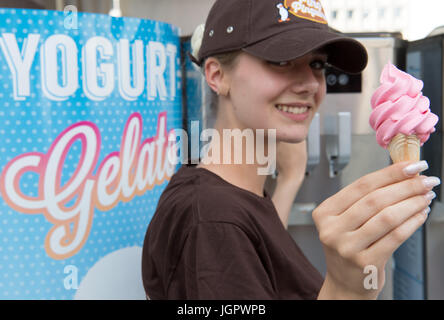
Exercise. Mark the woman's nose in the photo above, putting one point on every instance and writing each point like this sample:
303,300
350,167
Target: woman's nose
304,80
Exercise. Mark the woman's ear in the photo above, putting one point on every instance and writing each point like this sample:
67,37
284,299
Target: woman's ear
217,78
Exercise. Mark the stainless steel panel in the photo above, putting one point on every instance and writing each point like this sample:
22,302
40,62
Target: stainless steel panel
366,157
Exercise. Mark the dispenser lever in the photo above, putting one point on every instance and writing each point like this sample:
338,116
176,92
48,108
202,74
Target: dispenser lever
339,143
314,143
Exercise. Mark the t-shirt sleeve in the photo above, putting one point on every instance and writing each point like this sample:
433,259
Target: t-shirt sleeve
220,261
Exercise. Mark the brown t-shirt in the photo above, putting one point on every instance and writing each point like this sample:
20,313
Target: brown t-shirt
210,239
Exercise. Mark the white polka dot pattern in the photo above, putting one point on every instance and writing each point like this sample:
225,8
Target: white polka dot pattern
34,116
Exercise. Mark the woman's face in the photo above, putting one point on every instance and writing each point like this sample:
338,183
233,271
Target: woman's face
285,96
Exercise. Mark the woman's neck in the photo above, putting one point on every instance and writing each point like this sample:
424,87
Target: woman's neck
221,156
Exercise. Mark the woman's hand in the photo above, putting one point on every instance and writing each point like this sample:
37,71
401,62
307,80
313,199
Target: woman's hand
291,161
363,224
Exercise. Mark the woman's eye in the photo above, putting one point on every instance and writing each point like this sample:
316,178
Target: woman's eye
318,64
315,65
279,64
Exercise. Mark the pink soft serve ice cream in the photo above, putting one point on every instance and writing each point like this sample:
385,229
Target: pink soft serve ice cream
400,107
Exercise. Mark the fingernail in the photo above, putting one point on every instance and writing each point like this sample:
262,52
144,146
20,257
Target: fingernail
427,211
431,182
430,195
416,167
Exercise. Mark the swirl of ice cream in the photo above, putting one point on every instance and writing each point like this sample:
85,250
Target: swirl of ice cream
400,107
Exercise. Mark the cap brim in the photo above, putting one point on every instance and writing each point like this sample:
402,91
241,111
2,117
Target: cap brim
344,53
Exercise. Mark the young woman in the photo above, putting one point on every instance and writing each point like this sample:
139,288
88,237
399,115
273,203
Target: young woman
216,233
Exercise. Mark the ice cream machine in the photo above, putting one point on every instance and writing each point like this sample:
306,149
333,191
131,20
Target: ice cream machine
341,145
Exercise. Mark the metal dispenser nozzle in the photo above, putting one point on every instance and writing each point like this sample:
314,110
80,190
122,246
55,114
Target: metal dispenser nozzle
338,141
314,144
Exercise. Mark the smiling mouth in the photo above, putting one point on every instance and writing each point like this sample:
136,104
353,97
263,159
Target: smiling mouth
293,109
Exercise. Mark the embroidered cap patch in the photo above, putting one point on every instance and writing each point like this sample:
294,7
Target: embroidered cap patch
306,9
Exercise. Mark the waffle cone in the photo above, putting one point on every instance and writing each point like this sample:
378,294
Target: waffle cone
404,148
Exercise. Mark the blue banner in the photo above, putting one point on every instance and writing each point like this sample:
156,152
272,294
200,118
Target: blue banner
87,103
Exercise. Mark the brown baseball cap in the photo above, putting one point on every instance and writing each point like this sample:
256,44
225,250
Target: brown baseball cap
278,31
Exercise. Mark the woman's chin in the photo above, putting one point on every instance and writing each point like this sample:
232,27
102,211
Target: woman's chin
292,135
291,138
